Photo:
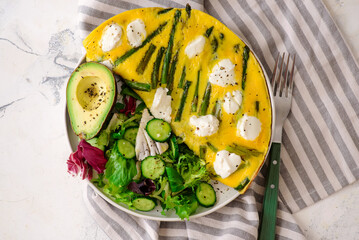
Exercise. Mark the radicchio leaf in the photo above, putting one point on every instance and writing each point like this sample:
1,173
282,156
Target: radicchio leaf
93,155
130,105
146,187
85,159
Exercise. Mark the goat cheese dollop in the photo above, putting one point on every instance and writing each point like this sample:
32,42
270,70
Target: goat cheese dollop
195,47
226,163
161,105
204,125
136,32
249,127
223,73
232,101
111,37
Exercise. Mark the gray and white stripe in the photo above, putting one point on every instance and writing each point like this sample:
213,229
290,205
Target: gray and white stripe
320,151
238,220
321,157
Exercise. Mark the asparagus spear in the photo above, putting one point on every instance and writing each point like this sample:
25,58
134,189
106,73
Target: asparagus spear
209,31
146,58
183,101
147,40
138,86
183,75
257,106
217,110
163,11
156,67
128,91
202,151
205,100
242,151
245,61
214,44
213,148
188,10
172,72
195,96
243,184
236,48
168,54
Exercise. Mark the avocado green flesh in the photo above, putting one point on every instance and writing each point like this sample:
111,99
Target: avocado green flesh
91,93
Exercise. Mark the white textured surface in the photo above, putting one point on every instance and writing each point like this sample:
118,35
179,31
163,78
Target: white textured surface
38,199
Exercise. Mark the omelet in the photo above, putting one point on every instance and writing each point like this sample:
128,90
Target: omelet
219,96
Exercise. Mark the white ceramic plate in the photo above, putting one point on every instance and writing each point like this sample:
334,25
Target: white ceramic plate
224,193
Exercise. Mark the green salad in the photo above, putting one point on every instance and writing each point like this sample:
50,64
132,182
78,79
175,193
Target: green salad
144,164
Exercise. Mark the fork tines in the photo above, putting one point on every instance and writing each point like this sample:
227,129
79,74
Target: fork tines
282,81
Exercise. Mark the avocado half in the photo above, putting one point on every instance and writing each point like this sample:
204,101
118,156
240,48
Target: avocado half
90,95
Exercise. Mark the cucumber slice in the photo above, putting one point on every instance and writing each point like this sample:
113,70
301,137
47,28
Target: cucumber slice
126,149
130,135
174,147
144,204
206,195
152,167
158,129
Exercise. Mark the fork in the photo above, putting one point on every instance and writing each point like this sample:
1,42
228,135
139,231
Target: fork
282,87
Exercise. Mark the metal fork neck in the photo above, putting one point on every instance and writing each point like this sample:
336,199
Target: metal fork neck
277,134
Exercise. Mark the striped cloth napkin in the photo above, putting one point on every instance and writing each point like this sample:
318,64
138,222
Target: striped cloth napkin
320,150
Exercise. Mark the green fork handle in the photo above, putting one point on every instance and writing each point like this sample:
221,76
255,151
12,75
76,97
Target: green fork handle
270,202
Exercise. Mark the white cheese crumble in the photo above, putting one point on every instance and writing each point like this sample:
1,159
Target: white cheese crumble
249,127
204,125
111,37
226,163
223,73
195,47
161,105
136,32
232,101
145,146
108,64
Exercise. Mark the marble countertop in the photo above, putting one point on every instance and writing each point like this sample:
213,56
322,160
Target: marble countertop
39,49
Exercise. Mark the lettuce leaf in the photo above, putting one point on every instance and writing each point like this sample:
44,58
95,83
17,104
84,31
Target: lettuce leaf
192,169
120,194
120,171
185,205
